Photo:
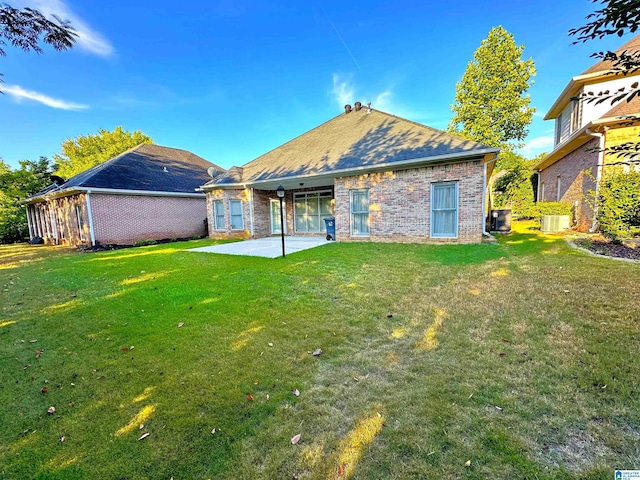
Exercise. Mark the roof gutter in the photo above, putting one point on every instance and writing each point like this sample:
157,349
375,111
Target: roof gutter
111,191
485,204
347,172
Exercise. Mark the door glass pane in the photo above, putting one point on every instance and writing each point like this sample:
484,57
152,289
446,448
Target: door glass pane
313,225
301,224
325,206
275,216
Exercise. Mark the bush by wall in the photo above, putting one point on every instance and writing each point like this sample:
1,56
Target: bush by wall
619,205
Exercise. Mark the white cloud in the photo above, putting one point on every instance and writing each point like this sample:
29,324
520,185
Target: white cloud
87,39
343,90
20,93
537,145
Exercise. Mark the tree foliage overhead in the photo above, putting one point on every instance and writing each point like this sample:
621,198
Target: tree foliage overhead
615,17
492,104
26,28
15,186
86,151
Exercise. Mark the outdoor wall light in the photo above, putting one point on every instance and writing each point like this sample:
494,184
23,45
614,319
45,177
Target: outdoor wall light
280,193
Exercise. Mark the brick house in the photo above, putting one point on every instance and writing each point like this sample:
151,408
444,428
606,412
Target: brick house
584,130
146,193
382,177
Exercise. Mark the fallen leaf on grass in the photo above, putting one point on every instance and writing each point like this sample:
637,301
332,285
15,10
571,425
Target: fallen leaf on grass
498,408
250,397
33,341
125,349
51,410
144,436
39,353
467,463
390,315
296,392
180,324
213,431
341,470
270,344
44,390
295,439
567,291
317,352
63,438
141,426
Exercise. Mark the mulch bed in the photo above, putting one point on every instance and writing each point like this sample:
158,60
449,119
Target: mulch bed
610,249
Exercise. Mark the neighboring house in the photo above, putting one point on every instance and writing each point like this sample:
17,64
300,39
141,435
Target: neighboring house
382,177
584,130
146,193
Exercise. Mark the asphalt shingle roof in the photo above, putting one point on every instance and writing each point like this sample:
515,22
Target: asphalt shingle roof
631,47
354,140
146,167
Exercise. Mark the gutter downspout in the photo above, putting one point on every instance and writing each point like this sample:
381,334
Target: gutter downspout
91,230
251,209
588,131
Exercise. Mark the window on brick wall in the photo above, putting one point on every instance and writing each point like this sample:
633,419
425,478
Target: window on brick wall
218,214
444,210
360,212
235,215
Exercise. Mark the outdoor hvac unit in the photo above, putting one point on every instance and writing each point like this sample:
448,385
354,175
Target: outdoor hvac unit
554,223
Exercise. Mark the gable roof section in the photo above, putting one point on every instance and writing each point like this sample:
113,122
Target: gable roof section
598,72
354,141
147,167
631,47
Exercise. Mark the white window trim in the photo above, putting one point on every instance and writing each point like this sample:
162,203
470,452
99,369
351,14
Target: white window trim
457,209
216,215
305,195
231,216
351,212
558,188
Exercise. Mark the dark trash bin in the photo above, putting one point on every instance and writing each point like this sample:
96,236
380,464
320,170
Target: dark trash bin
331,228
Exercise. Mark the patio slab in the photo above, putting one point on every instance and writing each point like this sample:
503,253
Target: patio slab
270,247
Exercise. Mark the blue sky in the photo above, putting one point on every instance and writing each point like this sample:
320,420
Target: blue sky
230,80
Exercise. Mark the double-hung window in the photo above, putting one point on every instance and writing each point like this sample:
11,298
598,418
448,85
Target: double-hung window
444,210
360,212
218,213
235,214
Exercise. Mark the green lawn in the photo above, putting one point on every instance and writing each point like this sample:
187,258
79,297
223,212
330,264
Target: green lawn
509,361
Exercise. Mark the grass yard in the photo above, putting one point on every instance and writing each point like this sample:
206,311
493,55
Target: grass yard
509,361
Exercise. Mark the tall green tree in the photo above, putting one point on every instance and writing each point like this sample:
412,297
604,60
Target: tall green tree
15,186
492,104
26,28
87,151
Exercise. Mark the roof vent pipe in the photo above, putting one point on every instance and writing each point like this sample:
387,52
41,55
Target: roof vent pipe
347,108
369,107
357,106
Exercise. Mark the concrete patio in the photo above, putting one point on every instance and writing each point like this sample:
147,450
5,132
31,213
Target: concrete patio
270,247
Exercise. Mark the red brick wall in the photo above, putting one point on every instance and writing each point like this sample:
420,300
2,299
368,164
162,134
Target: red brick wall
125,219
400,204
225,195
575,183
